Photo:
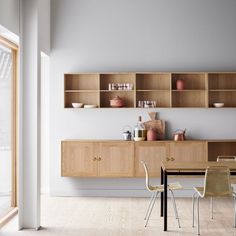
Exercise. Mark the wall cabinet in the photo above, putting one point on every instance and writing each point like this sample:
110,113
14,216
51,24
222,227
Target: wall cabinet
97,159
153,153
122,158
78,159
200,89
188,151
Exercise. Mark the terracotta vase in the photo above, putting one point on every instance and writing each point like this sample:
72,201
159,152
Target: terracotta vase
180,84
151,135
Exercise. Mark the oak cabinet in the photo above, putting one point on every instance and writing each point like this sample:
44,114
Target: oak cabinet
78,159
153,153
117,159
188,151
97,159
122,158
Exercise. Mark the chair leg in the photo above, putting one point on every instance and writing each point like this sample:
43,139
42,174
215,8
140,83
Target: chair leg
174,205
198,225
211,207
149,205
150,211
193,206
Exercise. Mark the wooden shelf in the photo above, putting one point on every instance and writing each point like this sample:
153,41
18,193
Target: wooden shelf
223,148
193,98
201,89
192,81
153,81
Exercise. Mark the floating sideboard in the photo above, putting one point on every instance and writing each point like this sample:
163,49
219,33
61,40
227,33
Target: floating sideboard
201,89
98,158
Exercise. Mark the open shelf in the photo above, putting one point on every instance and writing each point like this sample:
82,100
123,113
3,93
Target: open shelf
162,98
227,97
200,90
193,98
89,98
153,81
192,81
116,78
81,81
222,81
127,96
221,149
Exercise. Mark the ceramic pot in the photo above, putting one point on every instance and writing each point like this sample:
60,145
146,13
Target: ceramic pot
180,84
117,102
151,135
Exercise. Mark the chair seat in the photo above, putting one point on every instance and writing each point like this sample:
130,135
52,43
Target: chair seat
200,190
171,186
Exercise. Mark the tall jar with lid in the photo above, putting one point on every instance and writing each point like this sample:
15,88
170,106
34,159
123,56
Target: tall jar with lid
140,132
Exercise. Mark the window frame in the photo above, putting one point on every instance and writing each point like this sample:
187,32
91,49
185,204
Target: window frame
14,203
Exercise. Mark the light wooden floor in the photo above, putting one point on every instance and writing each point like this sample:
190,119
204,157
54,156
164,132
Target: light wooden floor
71,216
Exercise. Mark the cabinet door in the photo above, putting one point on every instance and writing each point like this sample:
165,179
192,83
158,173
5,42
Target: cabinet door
78,159
188,151
116,159
153,153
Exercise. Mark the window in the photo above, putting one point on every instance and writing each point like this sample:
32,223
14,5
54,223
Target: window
8,129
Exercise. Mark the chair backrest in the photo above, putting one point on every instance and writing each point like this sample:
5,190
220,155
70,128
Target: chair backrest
146,175
226,158
217,182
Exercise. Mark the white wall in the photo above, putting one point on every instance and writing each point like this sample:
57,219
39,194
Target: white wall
9,15
135,35
44,7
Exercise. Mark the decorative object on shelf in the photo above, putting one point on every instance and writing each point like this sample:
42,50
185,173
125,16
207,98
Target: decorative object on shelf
117,102
157,125
120,86
140,132
180,84
151,135
218,104
179,135
77,104
127,133
146,104
90,106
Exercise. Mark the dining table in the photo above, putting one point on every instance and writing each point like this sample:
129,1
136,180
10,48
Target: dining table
176,168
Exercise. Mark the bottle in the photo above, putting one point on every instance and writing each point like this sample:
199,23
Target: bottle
140,132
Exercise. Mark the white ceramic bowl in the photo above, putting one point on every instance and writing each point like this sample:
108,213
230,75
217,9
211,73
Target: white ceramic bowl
90,106
77,104
218,104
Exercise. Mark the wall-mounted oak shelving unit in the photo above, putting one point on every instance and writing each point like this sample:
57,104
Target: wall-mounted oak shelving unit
201,89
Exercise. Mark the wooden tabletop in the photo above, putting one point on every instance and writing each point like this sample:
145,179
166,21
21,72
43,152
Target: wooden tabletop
195,166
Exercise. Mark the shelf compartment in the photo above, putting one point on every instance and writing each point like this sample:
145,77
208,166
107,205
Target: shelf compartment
162,98
192,81
119,78
221,149
82,97
127,96
222,81
81,81
193,98
153,81
227,97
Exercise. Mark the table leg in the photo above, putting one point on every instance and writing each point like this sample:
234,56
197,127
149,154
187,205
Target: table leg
165,200
161,193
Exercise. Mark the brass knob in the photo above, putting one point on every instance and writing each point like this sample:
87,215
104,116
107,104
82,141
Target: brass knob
99,158
167,159
172,158
95,158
